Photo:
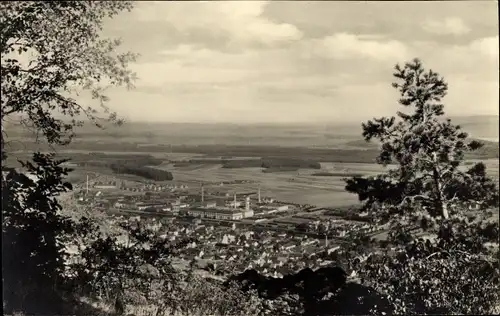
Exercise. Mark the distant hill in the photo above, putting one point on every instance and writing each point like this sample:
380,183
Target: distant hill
321,135
360,143
479,126
484,128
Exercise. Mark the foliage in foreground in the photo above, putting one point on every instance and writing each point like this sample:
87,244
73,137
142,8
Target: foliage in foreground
49,51
32,233
139,271
448,268
452,274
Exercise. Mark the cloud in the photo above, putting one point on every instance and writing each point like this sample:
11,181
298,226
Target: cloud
449,26
238,61
466,96
174,72
233,24
476,60
192,83
193,66
486,46
350,46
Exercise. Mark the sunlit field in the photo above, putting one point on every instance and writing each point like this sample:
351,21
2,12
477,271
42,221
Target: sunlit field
294,186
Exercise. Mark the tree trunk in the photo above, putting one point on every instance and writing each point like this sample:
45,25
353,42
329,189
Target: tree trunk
444,210
441,205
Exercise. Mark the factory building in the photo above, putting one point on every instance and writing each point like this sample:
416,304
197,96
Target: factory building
148,205
209,204
216,213
223,213
247,211
272,208
234,204
175,207
203,203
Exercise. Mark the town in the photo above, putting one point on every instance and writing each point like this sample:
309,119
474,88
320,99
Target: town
229,233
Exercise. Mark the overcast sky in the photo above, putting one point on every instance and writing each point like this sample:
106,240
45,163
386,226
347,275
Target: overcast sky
301,61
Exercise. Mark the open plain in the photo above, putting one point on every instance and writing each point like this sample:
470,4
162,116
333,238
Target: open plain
193,154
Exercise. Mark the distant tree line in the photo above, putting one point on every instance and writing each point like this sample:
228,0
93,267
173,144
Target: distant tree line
336,174
126,164
141,171
279,169
269,163
272,163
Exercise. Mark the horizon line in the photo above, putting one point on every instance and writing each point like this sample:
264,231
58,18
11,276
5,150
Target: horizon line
226,122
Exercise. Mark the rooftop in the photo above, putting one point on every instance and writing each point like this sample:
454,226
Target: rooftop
224,210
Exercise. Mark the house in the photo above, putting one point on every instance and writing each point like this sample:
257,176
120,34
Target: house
121,203
226,239
288,246
309,242
248,213
331,250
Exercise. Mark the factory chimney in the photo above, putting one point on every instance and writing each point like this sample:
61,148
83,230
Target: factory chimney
247,203
234,201
259,195
202,194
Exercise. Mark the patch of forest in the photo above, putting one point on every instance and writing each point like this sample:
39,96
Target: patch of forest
286,153
273,164
142,171
279,169
98,159
336,174
137,165
269,164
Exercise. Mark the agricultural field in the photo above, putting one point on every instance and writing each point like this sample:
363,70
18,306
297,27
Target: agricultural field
296,186
303,186
192,152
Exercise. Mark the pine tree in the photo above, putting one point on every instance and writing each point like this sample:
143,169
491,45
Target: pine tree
451,269
426,149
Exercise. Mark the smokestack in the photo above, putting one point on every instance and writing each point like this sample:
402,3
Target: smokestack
234,200
247,203
202,194
259,194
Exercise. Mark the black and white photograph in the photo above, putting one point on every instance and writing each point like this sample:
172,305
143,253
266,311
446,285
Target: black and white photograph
250,158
